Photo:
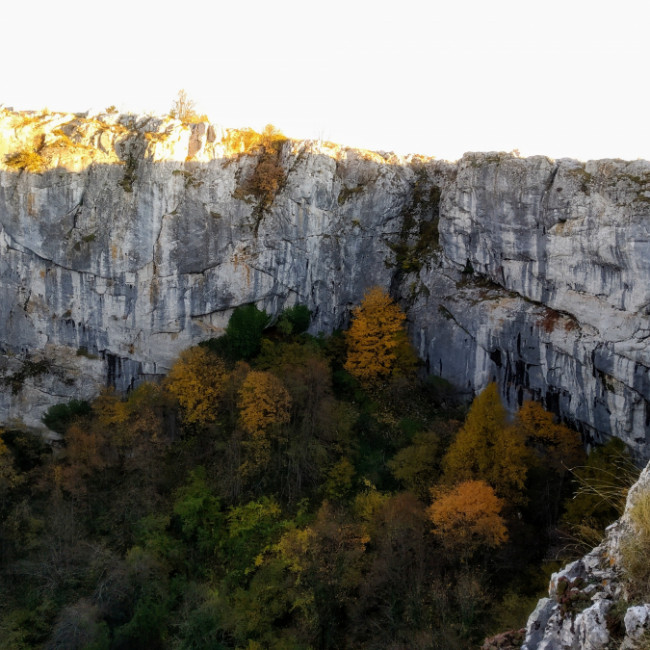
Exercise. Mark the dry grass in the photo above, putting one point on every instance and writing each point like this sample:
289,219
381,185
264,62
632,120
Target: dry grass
28,161
635,549
155,136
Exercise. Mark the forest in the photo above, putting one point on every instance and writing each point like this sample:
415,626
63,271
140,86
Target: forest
287,491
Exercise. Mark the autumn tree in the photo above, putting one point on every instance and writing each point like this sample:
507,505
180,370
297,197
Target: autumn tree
128,433
558,446
488,448
468,517
555,449
264,405
377,343
9,477
320,425
197,380
391,602
183,108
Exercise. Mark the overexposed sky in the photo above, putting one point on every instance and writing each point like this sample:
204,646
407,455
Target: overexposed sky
560,77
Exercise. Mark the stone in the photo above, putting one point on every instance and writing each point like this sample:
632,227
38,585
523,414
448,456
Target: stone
637,621
134,243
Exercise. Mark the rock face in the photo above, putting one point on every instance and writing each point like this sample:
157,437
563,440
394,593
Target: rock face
124,240
588,596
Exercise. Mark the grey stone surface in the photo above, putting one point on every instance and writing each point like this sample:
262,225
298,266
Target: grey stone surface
133,243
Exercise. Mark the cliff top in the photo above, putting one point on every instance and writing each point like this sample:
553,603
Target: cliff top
42,140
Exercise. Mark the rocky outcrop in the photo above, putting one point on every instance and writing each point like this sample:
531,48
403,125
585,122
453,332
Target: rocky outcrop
125,239
587,607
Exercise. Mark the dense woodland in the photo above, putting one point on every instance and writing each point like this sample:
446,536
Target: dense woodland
280,490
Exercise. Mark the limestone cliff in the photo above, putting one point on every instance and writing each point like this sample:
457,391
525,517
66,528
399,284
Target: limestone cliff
124,239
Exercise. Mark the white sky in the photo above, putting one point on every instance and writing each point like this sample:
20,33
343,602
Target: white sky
559,77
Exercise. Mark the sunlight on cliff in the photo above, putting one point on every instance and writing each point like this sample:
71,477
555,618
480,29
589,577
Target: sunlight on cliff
38,141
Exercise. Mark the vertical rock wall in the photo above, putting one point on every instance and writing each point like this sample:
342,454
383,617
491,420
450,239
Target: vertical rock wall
129,239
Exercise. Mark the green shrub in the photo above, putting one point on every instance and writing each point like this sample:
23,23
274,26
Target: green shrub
294,320
60,416
30,369
244,331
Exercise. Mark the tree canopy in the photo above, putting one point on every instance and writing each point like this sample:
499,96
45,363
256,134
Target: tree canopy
197,381
468,517
488,448
377,344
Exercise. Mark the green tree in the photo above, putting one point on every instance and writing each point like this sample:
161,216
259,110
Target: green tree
59,416
418,465
244,331
294,320
198,511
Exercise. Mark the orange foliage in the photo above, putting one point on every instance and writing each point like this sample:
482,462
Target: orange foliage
124,432
487,448
376,338
268,175
197,380
560,445
111,411
467,517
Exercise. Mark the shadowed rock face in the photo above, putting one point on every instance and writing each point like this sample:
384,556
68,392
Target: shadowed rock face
133,238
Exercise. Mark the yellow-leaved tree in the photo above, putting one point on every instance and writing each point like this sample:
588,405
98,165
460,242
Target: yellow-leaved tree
468,517
264,405
197,380
9,478
378,347
558,446
488,448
